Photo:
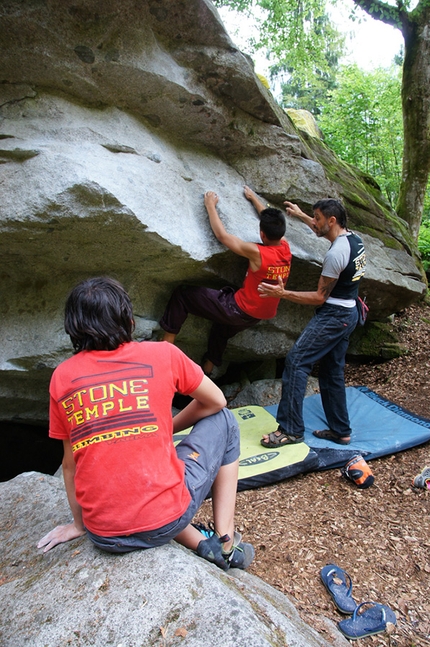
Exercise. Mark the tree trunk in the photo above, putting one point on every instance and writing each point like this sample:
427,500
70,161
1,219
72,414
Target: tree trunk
415,27
416,118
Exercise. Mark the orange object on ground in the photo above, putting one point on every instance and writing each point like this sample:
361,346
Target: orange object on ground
359,472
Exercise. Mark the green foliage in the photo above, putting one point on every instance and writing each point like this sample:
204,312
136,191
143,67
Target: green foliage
362,122
298,35
424,245
426,210
308,93
424,234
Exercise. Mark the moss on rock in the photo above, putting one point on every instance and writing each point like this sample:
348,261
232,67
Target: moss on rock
375,340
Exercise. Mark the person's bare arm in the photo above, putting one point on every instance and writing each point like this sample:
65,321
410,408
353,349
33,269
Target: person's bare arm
317,298
207,400
75,529
295,211
234,243
254,199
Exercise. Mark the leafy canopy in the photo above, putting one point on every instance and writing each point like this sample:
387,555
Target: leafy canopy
298,35
361,118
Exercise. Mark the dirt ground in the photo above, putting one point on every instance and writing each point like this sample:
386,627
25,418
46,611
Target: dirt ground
380,536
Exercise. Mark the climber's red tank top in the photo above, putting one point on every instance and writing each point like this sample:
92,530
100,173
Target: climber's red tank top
275,261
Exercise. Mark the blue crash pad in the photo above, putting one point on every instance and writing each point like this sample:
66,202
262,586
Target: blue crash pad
379,426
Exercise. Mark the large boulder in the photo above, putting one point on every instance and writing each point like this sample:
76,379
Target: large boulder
78,595
115,117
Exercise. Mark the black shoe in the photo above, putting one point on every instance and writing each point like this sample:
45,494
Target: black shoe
328,434
240,556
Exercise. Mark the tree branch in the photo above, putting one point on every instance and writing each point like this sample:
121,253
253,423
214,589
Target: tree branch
394,16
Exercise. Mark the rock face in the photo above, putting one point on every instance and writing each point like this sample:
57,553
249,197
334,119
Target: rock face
115,117
78,595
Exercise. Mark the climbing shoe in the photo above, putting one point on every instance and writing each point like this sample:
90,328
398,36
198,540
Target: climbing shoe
423,479
210,548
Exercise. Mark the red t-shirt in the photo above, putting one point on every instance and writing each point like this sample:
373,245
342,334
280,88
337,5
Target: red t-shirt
275,261
115,407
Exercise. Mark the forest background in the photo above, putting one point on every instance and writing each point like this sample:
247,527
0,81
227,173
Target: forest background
364,114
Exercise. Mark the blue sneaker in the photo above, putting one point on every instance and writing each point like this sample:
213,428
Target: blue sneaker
210,548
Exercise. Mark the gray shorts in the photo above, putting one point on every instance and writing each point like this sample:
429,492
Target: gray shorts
215,441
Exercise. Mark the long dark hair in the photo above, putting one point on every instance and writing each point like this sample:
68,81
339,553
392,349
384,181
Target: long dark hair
98,315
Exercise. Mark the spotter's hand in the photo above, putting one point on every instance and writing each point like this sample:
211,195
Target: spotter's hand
270,290
292,209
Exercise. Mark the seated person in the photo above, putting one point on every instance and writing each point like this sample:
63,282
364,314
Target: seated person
110,403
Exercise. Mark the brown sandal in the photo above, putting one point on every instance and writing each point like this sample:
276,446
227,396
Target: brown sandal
278,439
328,434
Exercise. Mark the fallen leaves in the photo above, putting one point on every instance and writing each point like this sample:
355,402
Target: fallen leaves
180,632
379,535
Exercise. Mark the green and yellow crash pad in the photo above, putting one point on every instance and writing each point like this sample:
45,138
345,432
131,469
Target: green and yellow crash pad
260,466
